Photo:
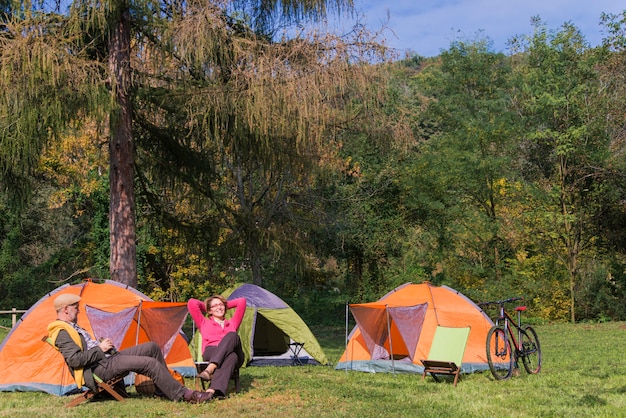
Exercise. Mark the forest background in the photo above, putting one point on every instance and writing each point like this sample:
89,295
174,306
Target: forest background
498,175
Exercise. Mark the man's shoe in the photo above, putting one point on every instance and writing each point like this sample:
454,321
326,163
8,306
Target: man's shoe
201,397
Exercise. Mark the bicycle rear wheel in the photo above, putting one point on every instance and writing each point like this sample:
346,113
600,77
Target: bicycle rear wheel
499,354
531,350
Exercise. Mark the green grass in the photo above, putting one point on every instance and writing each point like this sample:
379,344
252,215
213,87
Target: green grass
584,374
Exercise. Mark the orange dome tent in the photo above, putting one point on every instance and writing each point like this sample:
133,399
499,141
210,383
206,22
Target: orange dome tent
109,309
394,333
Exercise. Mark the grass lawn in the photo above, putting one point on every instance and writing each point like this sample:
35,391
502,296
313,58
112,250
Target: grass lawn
583,375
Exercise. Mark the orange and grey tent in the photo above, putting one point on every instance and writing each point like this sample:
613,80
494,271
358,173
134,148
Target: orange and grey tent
395,332
108,309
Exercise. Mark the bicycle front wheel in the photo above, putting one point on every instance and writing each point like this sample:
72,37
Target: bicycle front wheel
499,354
531,350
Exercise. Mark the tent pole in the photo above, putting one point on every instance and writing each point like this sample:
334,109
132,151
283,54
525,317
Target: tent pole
393,366
346,350
432,301
138,323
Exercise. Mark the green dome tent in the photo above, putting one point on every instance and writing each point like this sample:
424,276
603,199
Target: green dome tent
269,326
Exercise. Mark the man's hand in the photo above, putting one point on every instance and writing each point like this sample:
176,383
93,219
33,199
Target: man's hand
106,344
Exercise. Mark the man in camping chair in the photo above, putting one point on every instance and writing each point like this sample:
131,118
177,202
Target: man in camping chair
86,356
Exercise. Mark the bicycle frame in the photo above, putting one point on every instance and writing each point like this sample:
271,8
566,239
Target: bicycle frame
509,324
508,341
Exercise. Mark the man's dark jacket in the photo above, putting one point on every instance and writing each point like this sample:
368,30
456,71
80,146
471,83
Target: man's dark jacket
75,357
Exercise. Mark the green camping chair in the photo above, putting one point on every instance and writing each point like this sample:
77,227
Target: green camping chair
446,352
201,364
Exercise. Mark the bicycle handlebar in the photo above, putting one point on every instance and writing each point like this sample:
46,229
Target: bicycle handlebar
500,302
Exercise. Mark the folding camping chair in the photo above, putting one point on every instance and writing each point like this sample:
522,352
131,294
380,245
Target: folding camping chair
446,352
295,348
101,386
201,365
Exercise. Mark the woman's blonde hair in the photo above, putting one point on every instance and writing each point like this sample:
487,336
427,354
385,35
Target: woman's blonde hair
207,302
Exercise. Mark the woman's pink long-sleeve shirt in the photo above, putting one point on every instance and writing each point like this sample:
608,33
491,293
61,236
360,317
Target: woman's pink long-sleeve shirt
212,332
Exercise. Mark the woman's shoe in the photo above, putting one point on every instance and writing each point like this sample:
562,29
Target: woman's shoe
205,375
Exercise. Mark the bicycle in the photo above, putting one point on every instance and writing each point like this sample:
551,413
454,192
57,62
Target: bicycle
501,340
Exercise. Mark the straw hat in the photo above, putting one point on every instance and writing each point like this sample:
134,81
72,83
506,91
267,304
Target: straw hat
64,300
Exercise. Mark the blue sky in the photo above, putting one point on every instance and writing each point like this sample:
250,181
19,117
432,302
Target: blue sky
426,27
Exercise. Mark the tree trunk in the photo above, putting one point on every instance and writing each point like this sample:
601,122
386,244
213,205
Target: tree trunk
255,263
123,264
570,238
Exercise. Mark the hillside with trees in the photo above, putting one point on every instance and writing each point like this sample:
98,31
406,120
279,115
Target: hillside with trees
318,166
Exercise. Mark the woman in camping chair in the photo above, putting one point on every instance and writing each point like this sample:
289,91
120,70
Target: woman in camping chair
221,346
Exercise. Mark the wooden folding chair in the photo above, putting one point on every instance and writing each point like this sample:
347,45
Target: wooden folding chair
446,353
101,386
